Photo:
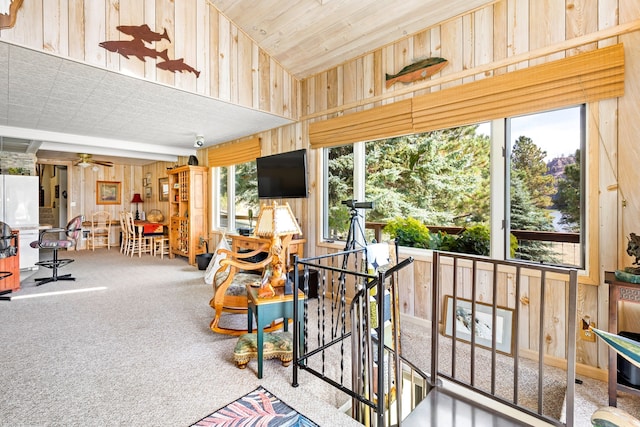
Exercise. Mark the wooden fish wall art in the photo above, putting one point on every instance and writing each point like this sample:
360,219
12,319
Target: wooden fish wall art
9,12
417,71
143,34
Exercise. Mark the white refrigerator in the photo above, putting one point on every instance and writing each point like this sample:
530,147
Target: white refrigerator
19,208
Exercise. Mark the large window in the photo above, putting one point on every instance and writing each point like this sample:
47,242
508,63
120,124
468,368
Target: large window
443,179
238,195
546,184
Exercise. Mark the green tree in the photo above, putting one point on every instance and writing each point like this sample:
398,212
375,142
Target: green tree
439,177
525,215
527,163
247,183
340,188
568,196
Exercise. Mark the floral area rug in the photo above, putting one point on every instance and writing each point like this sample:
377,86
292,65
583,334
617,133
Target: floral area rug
258,408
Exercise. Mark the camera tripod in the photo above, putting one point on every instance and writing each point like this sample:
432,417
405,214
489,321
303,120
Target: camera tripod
354,226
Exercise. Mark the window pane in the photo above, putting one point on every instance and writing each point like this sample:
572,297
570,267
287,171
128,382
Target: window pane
246,203
339,185
224,197
546,186
439,178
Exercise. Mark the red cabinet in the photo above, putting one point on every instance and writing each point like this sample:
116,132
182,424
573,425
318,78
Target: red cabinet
11,264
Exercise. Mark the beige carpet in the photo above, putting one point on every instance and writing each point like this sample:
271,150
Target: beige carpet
130,345
133,348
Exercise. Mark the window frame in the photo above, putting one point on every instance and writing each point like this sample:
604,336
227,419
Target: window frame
500,192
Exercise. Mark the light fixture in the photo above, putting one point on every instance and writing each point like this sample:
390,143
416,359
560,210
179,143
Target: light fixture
137,199
199,141
276,221
84,164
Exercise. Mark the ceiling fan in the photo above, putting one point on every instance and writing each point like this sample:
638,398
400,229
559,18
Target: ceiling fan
84,160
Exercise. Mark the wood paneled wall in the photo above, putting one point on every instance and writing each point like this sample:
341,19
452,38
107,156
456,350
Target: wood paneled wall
505,29
233,68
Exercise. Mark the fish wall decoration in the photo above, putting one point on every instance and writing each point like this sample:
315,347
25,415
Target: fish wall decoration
9,12
417,71
135,48
143,34
177,65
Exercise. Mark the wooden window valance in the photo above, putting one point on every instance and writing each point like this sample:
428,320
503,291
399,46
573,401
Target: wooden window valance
234,153
585,77
582,78
380,122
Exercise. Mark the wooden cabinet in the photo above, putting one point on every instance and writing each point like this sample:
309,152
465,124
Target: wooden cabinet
11,264
187,211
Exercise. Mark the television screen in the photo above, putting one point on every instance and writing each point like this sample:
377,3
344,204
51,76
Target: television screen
282,175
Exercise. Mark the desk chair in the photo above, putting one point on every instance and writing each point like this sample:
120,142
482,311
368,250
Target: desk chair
50,239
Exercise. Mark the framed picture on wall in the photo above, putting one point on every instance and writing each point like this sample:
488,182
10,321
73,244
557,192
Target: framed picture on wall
163,189
461,317
108,193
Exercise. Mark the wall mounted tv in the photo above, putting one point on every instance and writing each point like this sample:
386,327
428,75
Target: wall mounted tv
283,175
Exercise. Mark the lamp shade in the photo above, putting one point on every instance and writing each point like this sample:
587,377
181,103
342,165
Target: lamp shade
136,198
276,220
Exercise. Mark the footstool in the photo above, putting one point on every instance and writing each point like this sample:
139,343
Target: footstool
277,345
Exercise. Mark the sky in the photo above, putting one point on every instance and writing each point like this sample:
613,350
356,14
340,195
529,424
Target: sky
556,132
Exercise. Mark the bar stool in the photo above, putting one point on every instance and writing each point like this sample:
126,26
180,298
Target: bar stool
160,246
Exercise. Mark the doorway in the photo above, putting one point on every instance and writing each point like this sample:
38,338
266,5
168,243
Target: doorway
54,192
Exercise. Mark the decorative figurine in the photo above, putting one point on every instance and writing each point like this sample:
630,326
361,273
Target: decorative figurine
631,274
633,249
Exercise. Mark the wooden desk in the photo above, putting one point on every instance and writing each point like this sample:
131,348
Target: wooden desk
266,310
296,247
618,291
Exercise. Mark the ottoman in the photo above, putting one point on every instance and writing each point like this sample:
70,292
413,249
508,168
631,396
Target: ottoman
277,345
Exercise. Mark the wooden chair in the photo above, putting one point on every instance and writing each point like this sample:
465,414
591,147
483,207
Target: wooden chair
229,285
100,233
124,242
160,245
138,242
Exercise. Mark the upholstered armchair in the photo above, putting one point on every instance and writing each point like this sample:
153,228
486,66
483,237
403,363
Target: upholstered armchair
229,285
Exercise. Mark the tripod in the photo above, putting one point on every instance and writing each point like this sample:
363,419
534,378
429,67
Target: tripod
354,226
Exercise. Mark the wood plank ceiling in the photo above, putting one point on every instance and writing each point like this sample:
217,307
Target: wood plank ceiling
309,36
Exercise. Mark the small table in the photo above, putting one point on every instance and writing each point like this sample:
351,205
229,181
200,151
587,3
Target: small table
266,310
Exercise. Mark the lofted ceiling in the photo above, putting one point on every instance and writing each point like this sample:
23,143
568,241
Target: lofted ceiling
56,107
310,36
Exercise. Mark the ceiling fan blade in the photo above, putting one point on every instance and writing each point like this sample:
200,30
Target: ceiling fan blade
103,163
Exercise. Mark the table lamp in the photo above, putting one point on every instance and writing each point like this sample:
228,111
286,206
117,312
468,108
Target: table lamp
276,221
137,199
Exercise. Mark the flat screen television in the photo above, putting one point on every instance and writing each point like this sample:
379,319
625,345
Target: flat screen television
283,175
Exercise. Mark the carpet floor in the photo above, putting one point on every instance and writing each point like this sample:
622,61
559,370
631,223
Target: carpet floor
128,343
